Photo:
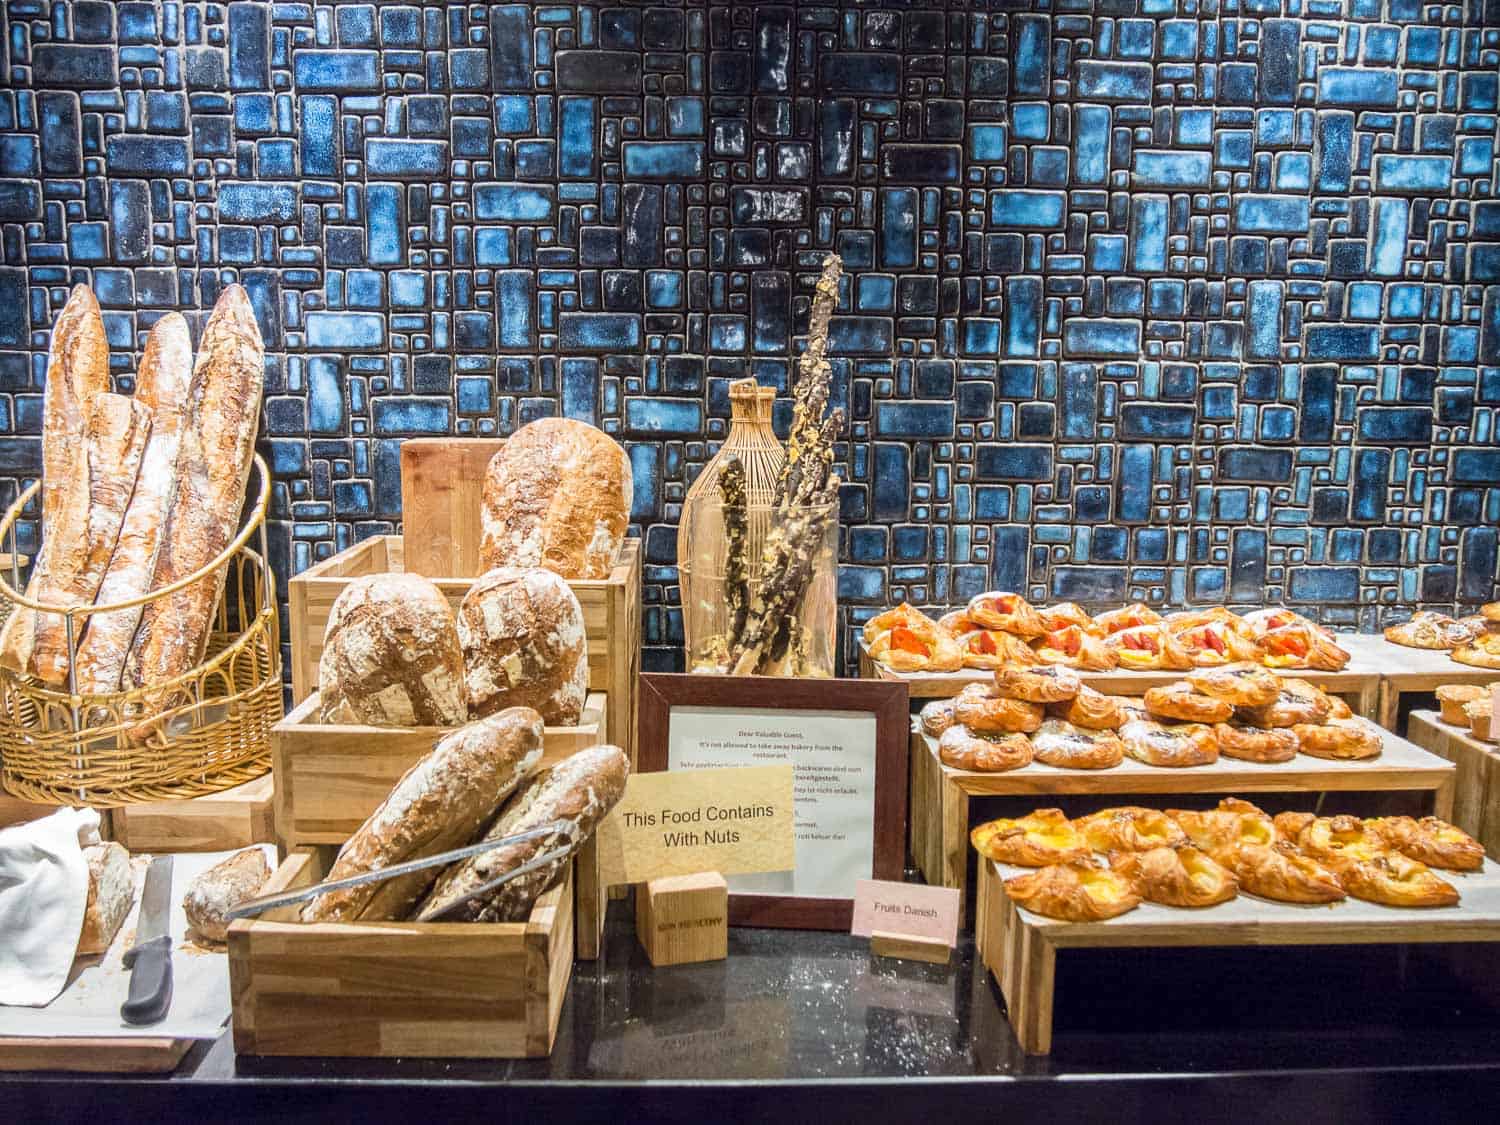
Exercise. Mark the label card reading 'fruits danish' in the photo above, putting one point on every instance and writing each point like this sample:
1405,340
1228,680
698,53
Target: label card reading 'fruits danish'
733,820
909,909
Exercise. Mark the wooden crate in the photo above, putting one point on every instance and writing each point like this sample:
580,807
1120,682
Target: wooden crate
217,822
941,796
398,989
1407,671
1358,682
329,778
1476,801
611,617
1020,948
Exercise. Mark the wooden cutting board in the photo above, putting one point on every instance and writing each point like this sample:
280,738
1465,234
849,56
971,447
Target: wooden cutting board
442,480
93,1056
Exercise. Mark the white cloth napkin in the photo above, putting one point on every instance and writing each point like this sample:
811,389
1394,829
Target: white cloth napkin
44,889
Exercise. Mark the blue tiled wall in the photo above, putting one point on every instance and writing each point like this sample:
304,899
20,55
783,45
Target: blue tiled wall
1184,300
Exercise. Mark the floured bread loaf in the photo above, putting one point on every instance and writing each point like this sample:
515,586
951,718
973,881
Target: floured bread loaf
439,804
111,895
523,645
557,496
215,892
391,656
580,791
77,372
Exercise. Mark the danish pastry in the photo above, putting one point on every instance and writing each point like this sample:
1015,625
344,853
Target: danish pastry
937,716
1065,746
1214,642
1333,839
1182,702
1262,621
1256,744
1128,617
1049,683
1347,739
984,712
957,622
1481,719
1452,697
1297,702
1289,825
1280,872
904,614
1429,630
991,649
1481,652
1090,709
1188,618
1302,646
1007,612
1223,831
1244,685
914,642
1180,876
1073,892
1130,828
1490,611
962,749
1035,840
1338,707
1392,879
1431,841
1073,646
1189,744
1146,647
1063,614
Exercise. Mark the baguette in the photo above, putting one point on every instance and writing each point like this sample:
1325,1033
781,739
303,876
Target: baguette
78,544
579,790
213,468
162,386
439,804
77,372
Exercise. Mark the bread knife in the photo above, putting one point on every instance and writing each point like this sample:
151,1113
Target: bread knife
253,906
150,959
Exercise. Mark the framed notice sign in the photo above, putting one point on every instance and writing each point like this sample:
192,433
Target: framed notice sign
846,741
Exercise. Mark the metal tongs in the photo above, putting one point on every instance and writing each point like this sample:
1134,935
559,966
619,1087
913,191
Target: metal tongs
253,906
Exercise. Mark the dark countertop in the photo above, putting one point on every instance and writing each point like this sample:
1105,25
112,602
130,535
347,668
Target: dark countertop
810,1026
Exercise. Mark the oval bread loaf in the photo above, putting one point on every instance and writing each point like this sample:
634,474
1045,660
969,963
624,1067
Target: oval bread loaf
557,495
215,892
523,645
579,790
391,656
440,803
111,895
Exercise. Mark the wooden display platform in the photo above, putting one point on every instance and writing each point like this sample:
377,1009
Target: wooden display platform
216,822
1406,670
1476,801
1020,948
1358,682
93,1056
611,619
940,795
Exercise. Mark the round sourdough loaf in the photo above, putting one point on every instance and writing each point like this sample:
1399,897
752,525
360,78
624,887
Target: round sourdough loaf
580,790
441,803
391,656
557,495
521,629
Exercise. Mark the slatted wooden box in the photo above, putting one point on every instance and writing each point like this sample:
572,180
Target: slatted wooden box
330,777
398,989
611,617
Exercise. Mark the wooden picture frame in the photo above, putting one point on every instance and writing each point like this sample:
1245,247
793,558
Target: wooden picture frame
887,702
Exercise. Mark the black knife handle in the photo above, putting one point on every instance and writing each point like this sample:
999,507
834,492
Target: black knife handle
150,968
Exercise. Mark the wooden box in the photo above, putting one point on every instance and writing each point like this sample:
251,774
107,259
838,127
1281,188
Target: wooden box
398,989
611,617
329,778
215,822
1476,803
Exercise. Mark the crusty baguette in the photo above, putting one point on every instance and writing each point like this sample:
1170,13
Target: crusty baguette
161,385
580,790
213,468
111,894
215,892
76,548
77,372
440,803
